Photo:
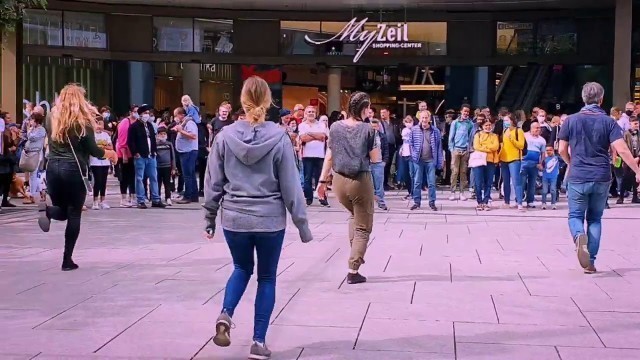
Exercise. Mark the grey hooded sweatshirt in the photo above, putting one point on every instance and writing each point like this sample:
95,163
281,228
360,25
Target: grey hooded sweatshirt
252,176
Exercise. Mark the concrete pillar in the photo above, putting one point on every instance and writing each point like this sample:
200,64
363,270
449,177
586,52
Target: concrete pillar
333,89
191,81
622,53
481,86
8,66
141,77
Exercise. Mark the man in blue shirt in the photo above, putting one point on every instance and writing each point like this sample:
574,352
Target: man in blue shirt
590,134
532,162
187,148
460,142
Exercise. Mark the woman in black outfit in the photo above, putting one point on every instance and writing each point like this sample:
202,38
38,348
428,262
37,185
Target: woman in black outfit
71,142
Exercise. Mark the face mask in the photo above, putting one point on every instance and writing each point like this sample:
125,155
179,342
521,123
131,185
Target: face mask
105,115
162,138
292,128
629,112
507,124
541,119
136,116
146,117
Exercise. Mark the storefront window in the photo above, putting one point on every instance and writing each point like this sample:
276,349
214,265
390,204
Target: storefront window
42,28
292,34
557,37
85,30
173,34
515,38
213,36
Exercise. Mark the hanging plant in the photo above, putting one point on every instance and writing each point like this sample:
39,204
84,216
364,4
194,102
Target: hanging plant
12,12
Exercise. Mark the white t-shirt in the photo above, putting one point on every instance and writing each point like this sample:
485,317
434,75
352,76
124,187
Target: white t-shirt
405,150
314,148
103,139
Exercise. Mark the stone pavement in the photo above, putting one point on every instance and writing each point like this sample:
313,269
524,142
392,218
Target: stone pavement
449,285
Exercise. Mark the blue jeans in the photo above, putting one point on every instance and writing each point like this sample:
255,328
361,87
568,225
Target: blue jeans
550,185
587,200
312,168
419,171
188,162
146,167
403,175
267,246
483,176
377,173
508,170
529,173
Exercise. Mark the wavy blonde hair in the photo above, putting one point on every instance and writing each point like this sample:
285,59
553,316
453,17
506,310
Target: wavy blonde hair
255,99
72,112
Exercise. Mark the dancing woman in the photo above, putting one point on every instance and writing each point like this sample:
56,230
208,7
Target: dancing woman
71,142
350,144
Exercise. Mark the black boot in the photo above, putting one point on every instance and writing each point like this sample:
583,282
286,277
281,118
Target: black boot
68,264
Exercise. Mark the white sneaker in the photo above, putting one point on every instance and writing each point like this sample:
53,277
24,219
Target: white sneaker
168,202
553,207
544,207
520,208
95,206
125,203
453,196
104,206
463,196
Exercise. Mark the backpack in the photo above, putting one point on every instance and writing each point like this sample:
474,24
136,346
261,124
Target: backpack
525,149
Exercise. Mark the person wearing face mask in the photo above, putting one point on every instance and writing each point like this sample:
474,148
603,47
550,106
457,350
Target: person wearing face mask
545,127
166,163
187,147
143,147
632,138
125,159
484,161
110,123
510,159
623,120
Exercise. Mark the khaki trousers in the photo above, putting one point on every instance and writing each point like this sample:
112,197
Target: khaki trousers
459,166
356,195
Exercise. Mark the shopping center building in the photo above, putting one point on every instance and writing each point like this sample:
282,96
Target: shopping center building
516,53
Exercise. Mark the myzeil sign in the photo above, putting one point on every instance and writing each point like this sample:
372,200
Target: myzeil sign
384,36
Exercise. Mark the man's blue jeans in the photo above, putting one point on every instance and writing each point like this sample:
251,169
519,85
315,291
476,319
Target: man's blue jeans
146,167
267,246
188,162
377,173
483,176
587,201
419,171
529,173
312,167
510,170
549,185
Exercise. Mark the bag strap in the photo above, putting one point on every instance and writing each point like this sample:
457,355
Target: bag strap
76,157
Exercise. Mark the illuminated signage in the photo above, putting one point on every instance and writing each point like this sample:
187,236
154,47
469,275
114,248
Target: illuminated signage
384,36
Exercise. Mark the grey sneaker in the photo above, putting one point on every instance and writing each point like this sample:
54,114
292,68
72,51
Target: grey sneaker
259,351
223,330
583,251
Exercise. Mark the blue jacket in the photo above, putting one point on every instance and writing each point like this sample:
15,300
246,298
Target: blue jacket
416,142
194,113
461,135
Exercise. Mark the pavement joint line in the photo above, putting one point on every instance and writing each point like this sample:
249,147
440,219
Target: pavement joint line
495,309
413,292
329,258
127,328
499,243
450,273
40,252
285,269
469,229
479,260
61,312
212,296
300,354
31,288
421,245
223,266
601,289
35,356
543,264
387,265
523,283
189,252
558,352
617,273
447,238
201,348
364,318
455,342
285,306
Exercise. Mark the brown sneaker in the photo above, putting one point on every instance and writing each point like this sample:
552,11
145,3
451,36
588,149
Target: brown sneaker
590,269
223,330
355,278
583,251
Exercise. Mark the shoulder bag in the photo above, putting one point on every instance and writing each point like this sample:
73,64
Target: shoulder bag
85,176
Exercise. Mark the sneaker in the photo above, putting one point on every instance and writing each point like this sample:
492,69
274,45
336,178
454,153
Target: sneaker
324,202
590,269
487,207
531,206
168,202
453,196
259,351
554,207
158,204
520,208
309,202
125,203
355,278
415,207
582,250
183,201
104,206
142,205
544,206
463,196
383,207
433,206
620,201
95,206
43,220
223,330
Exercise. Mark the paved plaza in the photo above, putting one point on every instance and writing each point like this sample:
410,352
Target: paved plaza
455,284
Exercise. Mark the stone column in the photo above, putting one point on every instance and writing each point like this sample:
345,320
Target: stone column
333,89
622,53
191,81
8,65
481,86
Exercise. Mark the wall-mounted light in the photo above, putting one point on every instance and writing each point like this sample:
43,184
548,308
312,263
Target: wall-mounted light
421,87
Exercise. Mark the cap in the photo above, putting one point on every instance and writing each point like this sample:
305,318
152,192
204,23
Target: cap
144,107
284,112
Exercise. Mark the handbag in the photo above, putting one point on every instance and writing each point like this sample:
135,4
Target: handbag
477,159
85,177
29,160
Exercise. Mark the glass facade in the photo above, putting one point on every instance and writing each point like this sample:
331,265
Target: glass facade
173,34
213,36
515,38
85,30
42,27
557,37
537,38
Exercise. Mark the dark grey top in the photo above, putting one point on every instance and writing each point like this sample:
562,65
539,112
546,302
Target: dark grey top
426,154
350,147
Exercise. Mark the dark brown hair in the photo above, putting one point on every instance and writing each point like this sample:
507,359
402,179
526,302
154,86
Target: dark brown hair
357,103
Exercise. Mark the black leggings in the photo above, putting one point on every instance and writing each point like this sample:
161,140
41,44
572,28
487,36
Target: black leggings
100,174
67,191
202,169
127,177
5,186
164,179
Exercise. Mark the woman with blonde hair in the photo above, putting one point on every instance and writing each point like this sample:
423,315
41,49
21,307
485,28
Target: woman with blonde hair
71,143
253,213
191,109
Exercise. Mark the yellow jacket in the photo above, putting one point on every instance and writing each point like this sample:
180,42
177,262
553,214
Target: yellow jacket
512,147
487,143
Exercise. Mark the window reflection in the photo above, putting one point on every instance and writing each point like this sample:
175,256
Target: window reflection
42,27
172,34
214,36
557,37
85,30
515,38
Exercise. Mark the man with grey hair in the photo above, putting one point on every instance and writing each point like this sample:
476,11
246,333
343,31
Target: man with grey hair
590,134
